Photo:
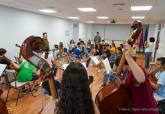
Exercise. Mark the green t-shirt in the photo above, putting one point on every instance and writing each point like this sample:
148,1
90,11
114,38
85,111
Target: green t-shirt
25,71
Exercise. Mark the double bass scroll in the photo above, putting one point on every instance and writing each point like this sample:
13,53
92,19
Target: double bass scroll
31,50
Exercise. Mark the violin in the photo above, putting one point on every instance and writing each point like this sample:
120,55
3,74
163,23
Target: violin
115,98
152,76
3,109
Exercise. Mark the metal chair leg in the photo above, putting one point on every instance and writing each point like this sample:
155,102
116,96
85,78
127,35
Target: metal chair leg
31,90
7,94
18,96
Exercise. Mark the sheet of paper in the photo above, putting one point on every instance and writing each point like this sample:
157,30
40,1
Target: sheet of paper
2,68
84,64
64,66
95,59
107,65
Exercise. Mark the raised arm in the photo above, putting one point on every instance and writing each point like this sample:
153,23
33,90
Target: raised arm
136,70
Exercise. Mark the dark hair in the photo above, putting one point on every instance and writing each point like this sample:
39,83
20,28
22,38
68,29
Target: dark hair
97,32
113,44
75,97
2,51
71,41
96,46
152,39
56,46
162,60
121,45
60,45
44,33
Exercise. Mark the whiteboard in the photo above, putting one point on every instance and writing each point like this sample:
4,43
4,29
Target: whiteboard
112,31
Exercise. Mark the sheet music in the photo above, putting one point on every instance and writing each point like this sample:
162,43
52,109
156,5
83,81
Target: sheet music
107,65
95,59
64,66
2,68
84,64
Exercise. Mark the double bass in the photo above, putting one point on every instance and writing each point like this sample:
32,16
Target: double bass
3,109
115,98
31,50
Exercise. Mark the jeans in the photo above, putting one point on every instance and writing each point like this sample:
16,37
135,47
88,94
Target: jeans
108,76
147,59
123,75
34,77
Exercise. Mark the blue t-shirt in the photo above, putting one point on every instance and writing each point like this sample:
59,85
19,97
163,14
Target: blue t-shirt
161,80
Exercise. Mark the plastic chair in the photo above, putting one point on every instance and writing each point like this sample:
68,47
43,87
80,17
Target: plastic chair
15,84
65,50
76,53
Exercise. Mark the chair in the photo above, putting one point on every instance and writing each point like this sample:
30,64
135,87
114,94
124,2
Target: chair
15,84
76,53
113,58
161,105
65,50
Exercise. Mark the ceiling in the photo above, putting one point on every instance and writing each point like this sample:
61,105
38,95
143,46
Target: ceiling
114,9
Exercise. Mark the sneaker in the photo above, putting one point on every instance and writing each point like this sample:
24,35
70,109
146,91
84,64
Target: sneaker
103,85
34,90
25,91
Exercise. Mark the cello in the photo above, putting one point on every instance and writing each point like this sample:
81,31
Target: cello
3,109
115,98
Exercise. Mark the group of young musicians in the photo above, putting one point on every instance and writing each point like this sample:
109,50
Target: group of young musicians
75,95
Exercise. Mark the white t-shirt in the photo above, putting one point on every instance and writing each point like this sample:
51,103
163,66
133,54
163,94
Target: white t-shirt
150,47
49,59
55,54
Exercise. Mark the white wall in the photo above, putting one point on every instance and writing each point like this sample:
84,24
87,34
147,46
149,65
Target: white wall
16,25
153,32
85,31
153,29
161,51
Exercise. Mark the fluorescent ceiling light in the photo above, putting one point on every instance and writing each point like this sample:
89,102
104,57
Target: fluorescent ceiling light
102,17
138,17
73,17
47,11
140,8
90,22
87,9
